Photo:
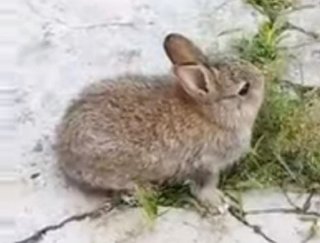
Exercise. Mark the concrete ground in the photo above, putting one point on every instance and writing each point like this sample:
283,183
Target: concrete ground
57,47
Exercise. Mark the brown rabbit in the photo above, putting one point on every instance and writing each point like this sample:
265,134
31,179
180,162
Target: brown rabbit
152,130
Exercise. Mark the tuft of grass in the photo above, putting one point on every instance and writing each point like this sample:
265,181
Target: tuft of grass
263,48
147,199
177,195
151,199
271,8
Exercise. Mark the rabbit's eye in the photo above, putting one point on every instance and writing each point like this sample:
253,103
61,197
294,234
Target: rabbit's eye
244,89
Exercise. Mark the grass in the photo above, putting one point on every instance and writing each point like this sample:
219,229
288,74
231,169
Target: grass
178,196
286,143
271,8
286,139
262,49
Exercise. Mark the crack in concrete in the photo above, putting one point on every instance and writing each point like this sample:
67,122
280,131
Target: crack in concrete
234,211
312,34
281,210
289,200
96,213
307,204
240,216
300,8
228,32
301,45
305,207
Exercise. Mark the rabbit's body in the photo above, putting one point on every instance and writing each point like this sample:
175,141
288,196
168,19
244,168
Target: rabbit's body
152,130
155,134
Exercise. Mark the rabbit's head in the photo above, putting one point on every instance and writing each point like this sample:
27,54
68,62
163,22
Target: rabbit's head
229,93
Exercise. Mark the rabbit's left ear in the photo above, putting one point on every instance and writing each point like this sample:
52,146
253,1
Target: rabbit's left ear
181,50
196,80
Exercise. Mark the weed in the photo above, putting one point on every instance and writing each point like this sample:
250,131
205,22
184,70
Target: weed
177,195
147,199
271,8
263,48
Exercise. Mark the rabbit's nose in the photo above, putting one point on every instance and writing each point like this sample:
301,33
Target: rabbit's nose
244,89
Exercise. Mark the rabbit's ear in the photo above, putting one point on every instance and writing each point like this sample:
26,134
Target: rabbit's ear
181,50
196,80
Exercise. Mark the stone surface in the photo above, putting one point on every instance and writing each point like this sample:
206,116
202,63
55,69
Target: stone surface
270,213
303,43
58,47
173,226
269,210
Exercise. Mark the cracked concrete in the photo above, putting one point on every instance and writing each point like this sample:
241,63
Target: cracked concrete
269,216
303,43
287,218
60,46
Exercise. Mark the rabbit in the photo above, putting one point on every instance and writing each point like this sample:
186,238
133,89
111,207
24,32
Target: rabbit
185,126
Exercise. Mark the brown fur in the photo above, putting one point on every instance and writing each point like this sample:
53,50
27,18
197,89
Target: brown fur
140,130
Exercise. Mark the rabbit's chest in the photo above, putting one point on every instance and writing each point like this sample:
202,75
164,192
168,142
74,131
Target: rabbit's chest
222,154
238,147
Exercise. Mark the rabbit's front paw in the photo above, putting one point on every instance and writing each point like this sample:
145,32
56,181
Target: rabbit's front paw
213,201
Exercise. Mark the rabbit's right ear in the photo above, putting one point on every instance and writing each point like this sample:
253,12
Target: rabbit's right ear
181,50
